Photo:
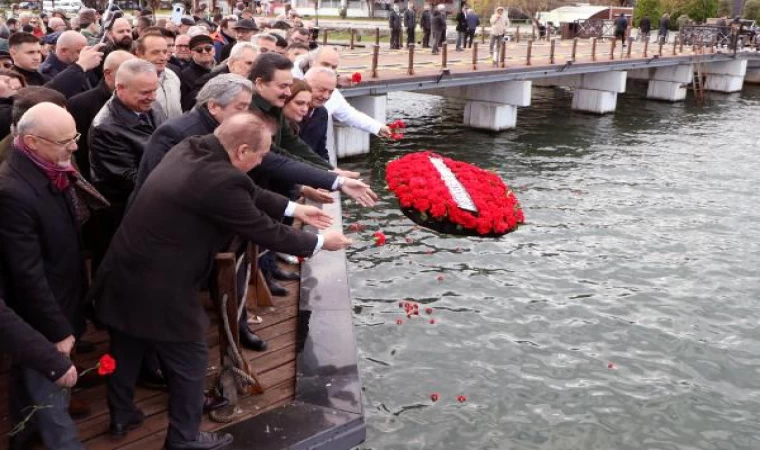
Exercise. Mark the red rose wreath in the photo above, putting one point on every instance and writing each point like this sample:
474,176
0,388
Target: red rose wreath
425,198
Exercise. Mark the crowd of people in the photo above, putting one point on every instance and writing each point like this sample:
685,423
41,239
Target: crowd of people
132,152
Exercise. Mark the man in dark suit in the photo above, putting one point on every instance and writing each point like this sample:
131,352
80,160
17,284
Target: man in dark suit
27,57
426,24
117,138
85,106
240,62
202,51
410,22
394,22
146,291
313,128
42,260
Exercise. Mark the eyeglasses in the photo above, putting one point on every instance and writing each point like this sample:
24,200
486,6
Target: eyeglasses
204,49
65,143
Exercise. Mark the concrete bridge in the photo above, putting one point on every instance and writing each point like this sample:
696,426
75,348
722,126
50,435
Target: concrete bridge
494,87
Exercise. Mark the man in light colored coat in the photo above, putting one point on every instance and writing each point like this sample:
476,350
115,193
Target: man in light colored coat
151,47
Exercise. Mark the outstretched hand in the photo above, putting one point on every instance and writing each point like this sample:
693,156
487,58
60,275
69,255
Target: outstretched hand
359,191
313,216
345,173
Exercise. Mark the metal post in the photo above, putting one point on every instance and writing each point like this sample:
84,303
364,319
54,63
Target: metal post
533,32
444,54
475,56
612,49
517,34
680,46
630,46
527,55
575,48
351,30
375,57
503,55
483,34
593,49
324,37
410,69
551,52
659,51
675,46
646,47
377,36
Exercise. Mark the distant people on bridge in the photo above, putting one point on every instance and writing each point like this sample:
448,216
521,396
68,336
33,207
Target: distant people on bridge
645,28
621,26
472,26
426,21
394,21
439,27
461,20
499,24
662,36
410,22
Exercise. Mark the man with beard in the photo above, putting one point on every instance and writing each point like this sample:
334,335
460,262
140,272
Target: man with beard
120,35
202,50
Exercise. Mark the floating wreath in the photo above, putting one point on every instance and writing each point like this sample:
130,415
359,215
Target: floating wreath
452,196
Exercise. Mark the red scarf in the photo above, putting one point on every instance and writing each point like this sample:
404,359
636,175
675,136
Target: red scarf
61,177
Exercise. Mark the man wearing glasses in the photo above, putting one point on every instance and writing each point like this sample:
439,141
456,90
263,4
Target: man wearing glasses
203,52
42,261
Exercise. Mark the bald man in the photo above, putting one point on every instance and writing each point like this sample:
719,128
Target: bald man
70,64
85,106
57,24
42,262
189,208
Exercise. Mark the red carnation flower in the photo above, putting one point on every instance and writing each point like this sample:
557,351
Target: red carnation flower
434,397
432,321
106,365
356,77
461,399
429,310
379,238
399,322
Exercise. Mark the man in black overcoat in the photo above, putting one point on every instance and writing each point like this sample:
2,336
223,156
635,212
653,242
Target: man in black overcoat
426,25
394,22
146,290
201,63
410,22
42,261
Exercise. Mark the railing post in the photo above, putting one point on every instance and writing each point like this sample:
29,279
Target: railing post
475,56
517,34
503,55
527,55
551,51
377,36
680,46
630,47
444,54
612,49
659,51
575,48
375,57
675,46
324,37
410,69
593,49
533,33
483,34
646,47
351,30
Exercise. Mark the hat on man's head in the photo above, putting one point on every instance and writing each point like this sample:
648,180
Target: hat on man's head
200,39
246,24
4,52
188,21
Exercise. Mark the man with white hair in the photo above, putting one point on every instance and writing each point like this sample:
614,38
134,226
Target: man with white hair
314,126
42,261
438,27
240,62
117,138
265,42
337,107
57,25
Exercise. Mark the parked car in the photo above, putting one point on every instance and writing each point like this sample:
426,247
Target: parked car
29,5
70,6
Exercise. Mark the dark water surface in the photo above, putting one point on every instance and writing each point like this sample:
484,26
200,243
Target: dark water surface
641,249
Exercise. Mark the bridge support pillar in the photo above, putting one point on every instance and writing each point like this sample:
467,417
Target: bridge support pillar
668,83
752,76
597,92
491,106
349,141
725,76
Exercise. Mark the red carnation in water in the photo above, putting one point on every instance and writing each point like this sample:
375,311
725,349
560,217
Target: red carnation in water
429,310
432,321
379,238
399,322
434,397
356,77
610,365
440,278
461,399
106,365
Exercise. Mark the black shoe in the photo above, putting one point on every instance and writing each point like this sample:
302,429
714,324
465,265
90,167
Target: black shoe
152,380
249,340
275,288
284,275
212,402
84,346
119,430
206,441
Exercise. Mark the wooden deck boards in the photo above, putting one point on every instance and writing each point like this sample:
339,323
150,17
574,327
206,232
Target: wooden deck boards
276,369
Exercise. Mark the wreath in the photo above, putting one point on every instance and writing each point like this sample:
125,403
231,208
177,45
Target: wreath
452,196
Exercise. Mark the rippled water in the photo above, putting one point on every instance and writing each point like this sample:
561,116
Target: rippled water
641,249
